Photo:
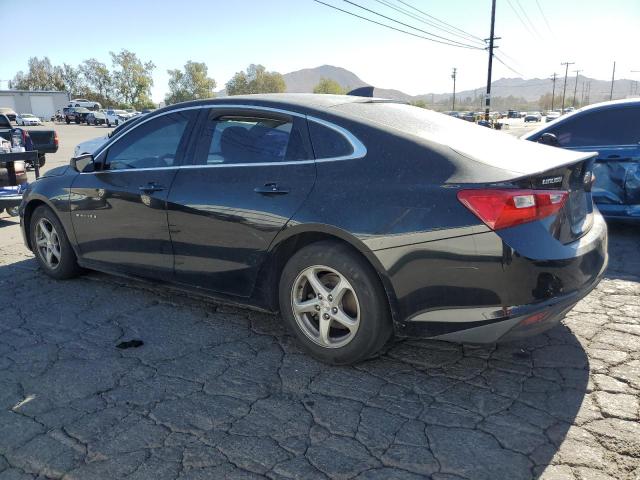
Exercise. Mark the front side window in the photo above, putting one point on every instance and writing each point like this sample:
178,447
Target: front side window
613,126
153,144
239,139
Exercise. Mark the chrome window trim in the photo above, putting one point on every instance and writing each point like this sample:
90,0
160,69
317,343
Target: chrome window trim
359,150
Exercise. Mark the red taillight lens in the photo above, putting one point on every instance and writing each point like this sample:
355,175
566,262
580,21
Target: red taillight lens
55,138
507,208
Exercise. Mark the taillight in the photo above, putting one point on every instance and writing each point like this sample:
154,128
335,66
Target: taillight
55,138
507,208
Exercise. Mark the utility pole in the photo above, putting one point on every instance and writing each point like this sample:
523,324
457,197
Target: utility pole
575,87
553,92
564,90
453,75
613,78
491,39
588,99
582,95
634,83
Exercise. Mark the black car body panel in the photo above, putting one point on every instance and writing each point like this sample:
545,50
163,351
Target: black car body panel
613,130
379,176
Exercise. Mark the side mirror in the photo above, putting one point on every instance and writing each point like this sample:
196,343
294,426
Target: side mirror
83,163
549,139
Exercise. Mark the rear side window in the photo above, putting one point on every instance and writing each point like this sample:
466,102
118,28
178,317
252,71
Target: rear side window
327,142
237,139
613,126
151,145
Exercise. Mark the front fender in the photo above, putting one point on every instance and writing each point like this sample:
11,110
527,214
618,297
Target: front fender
54,193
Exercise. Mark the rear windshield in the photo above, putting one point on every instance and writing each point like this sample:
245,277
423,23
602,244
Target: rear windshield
480,144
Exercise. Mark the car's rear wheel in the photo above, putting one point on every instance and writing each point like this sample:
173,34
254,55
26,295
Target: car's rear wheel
333,301
51,245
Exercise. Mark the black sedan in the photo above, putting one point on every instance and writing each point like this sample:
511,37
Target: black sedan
354,217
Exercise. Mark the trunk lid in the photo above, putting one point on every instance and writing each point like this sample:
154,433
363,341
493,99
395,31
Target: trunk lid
576,216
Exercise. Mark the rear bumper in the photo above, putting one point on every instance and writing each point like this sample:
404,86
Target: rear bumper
10,201
479,289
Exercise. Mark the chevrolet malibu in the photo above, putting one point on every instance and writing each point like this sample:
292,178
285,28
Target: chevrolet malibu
356,218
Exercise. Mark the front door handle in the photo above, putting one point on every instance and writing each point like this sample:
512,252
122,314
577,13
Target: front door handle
271,189
150,188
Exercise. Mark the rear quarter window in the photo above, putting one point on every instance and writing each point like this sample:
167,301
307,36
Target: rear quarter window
327,142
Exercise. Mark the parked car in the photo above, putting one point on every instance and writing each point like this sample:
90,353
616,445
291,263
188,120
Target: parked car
468,235
533,117
116,117
28,119
91,146
9,113
96,118
75,114
613,130
513,114
551,116
44,141
83,102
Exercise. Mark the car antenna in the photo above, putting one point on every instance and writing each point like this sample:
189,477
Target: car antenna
362,92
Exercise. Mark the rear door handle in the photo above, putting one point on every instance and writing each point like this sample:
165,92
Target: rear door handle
150,188
271,189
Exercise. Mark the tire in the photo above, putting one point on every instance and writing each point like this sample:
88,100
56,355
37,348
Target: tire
67,120
364,303
66,264
116,123
41,160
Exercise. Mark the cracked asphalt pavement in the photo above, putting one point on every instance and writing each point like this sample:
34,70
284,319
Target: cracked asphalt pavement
219,392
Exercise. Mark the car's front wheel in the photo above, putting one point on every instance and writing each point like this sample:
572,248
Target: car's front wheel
333,301
51,245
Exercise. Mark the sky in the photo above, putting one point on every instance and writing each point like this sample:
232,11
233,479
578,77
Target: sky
288,35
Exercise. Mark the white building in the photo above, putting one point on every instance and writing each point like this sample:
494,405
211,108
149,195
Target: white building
43,104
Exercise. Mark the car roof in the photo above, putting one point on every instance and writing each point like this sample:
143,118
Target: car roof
292,101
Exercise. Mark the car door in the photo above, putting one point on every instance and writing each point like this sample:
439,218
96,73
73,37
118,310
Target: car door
613,132
119,211
252,170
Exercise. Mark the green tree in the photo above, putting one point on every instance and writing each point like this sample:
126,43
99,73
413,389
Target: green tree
72,79
192,84
256,80
98,79
41,75
327,85
132,79
419,103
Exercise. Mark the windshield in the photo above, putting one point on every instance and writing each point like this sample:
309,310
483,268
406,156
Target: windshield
27,115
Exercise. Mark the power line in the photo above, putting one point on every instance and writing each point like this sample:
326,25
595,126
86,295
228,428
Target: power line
407,25
505,64
524,12
437,19
545,17
393,28
521,20
467,37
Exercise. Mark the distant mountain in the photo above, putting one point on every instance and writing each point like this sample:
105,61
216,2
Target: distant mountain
303,81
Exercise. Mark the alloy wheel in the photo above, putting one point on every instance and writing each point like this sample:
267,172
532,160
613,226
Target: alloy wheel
325,306
48,243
